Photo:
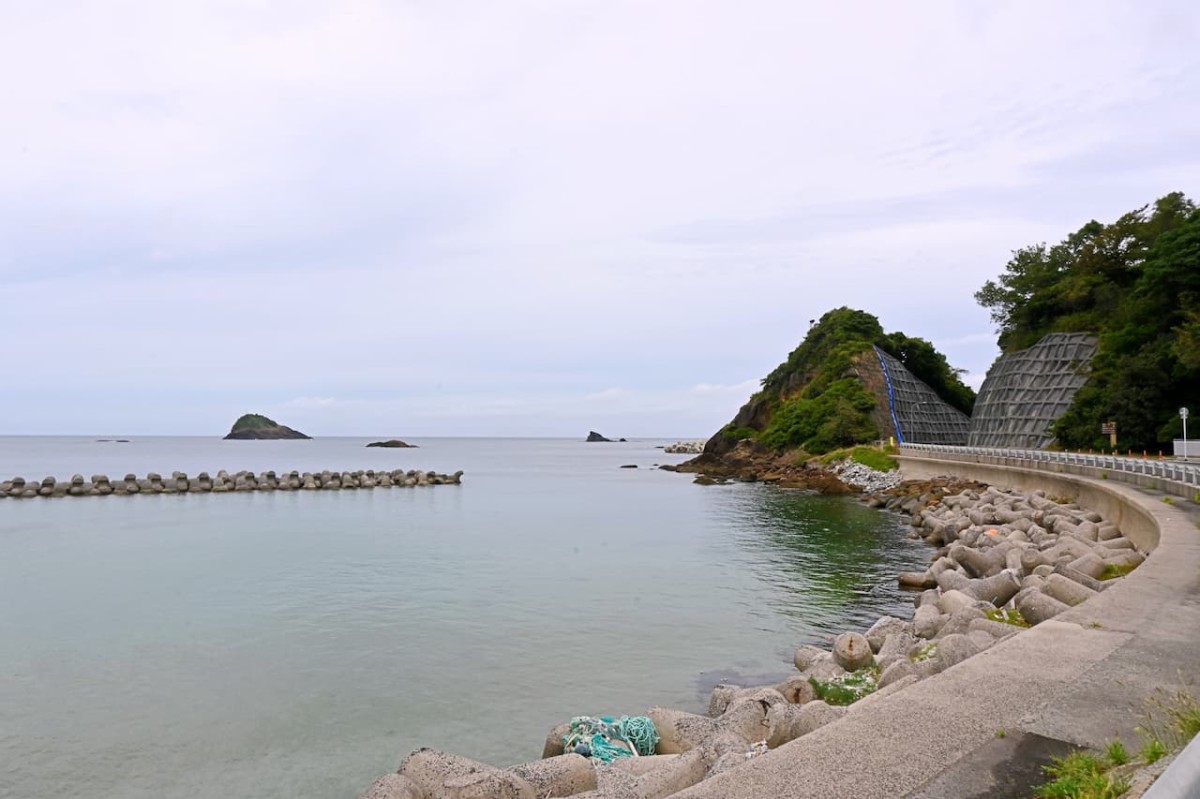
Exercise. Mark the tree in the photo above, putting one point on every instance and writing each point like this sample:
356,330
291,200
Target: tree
1135,283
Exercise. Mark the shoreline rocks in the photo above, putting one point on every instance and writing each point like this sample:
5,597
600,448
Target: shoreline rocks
684,448
1004,560
222,482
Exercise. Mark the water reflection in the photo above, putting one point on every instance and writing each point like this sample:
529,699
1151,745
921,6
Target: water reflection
831,561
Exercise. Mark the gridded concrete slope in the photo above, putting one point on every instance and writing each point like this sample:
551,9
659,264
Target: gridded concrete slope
918,414
1025,392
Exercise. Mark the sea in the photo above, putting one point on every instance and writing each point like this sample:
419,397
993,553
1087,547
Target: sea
300,644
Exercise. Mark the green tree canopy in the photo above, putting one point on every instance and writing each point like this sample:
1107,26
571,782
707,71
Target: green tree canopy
1135,283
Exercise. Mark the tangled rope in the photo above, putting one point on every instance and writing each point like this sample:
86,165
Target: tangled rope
607,739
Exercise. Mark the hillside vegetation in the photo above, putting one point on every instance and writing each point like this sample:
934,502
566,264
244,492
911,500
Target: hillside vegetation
815,400
1135,283
252,421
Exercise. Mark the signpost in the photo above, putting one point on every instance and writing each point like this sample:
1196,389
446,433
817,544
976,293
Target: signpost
1110,428
1183,414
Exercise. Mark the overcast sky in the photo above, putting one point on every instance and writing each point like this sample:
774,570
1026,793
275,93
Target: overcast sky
538,218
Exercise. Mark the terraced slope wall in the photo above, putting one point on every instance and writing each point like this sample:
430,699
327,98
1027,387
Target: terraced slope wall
1027,391
915,412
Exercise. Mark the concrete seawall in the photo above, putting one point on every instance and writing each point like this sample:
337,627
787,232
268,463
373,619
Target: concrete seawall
1081,679
223,482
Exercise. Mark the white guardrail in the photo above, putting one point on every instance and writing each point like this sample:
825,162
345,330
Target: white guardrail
1181,472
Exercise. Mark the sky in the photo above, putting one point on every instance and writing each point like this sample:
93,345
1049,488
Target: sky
538,217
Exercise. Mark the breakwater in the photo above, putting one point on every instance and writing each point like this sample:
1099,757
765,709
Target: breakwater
222,482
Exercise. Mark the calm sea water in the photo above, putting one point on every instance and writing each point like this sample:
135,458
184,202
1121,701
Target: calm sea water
300,644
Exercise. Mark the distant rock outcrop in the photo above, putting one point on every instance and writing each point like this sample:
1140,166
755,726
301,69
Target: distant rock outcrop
253,426
393,443
594,436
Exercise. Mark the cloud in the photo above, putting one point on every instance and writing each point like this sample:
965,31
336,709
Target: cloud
507,206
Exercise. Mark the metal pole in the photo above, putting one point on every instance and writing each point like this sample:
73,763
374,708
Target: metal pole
1183,414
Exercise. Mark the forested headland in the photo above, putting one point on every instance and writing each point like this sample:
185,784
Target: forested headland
1134,283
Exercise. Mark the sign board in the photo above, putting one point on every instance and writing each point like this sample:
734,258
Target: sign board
1108,428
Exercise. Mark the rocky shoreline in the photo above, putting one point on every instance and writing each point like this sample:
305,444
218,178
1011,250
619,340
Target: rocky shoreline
750,462
1004,560
223,482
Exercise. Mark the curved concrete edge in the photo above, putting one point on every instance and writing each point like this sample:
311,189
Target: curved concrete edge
1082,677
1117,503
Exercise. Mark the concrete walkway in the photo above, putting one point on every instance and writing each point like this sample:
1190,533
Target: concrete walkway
1082,678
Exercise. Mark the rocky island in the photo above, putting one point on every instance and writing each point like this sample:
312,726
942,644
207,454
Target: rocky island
593,436
253,426
393,443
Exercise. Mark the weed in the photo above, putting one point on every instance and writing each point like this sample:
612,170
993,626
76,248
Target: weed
1182,714
847,689
1001,734
1153,750
927,652
1012,617
1115,570
1168,500
1172,720
1103,475
1081,775
1116,753
1095,625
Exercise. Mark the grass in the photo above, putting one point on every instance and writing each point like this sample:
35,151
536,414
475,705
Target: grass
1081,775
1180,713
1153,750
871,457
847,689
1012,617
1114,570
1173,719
